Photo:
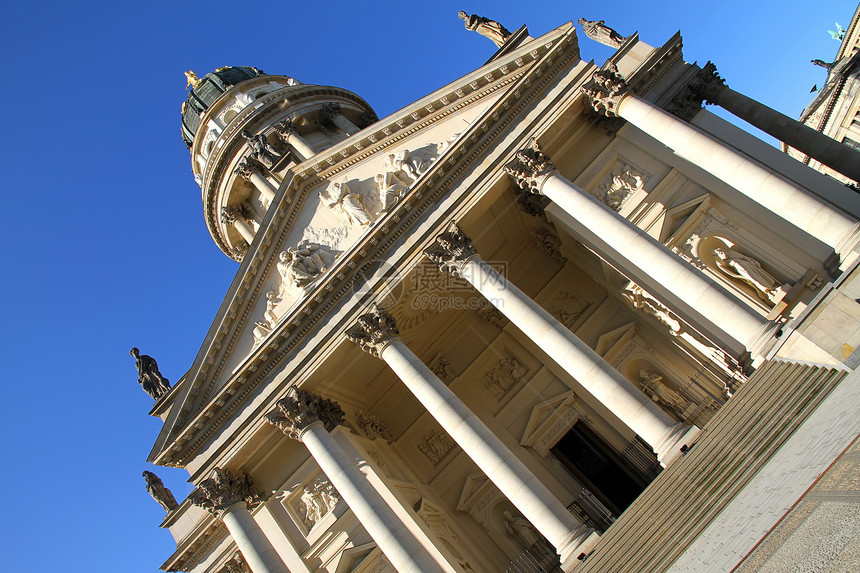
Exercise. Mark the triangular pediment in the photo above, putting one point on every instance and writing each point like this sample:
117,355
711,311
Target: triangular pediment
612,342
230,369
680,217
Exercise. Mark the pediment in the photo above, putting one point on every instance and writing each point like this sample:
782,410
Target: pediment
678,218
230,369
612,342
548,421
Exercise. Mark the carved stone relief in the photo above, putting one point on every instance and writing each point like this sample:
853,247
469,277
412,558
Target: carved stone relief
301,265
549,243
507,373
347,203
618,185
316,500
441,367
491,314
568,307
373,427
435,446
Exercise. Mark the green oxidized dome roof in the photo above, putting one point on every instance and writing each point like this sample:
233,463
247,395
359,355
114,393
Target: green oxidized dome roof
204,93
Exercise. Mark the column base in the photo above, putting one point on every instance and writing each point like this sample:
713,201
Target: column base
669,450
580,545
581,540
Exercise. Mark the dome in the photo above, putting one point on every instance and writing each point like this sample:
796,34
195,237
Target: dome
205,91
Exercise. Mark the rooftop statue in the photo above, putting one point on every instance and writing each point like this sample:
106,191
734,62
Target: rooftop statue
598,31
193,80
485,27
155,488
148,376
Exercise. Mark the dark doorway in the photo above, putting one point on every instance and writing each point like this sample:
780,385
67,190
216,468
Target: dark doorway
599,467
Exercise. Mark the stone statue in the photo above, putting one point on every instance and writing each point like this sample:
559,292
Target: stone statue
598,31
148,376
193,80
301,264
656,389
391,189
746,270
485,27
348,204
404,162
261,149
270,319
650,305
520,529
155,488
823,64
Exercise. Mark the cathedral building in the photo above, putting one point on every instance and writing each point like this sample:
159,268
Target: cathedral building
553,316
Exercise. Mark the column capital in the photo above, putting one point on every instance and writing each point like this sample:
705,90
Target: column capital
707,84
244,169
529,169
223,490
231,213
301,409
452,250
236,564
285,129
374,331
606,90
329,112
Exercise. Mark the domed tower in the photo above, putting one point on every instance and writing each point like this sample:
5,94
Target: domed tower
245,129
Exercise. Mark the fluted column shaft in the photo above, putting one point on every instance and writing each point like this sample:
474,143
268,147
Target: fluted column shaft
489,453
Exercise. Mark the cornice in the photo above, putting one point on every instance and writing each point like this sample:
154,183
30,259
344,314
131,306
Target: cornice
551,54
193,548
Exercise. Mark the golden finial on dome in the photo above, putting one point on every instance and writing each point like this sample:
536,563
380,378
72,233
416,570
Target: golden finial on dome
193,80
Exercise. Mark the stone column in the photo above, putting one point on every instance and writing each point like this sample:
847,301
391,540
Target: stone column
708,86
308,418
288,134
650,263
236,216
377,334
454,253
249,173
228,497
332,116
609,94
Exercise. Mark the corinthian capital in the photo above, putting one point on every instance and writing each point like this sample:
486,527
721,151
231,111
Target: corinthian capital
707,84
605,91
451,250
300,409
223,490
374,331
244,169
530,166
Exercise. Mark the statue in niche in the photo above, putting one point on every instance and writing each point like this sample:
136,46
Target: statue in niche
485,27
391,189
520,529
346,203
301,264
656,389
746,270
155,488
598,31
261,150
404,162
318,499
621,185
270,319
148,376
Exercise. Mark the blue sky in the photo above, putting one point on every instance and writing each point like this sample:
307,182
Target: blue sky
106,243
